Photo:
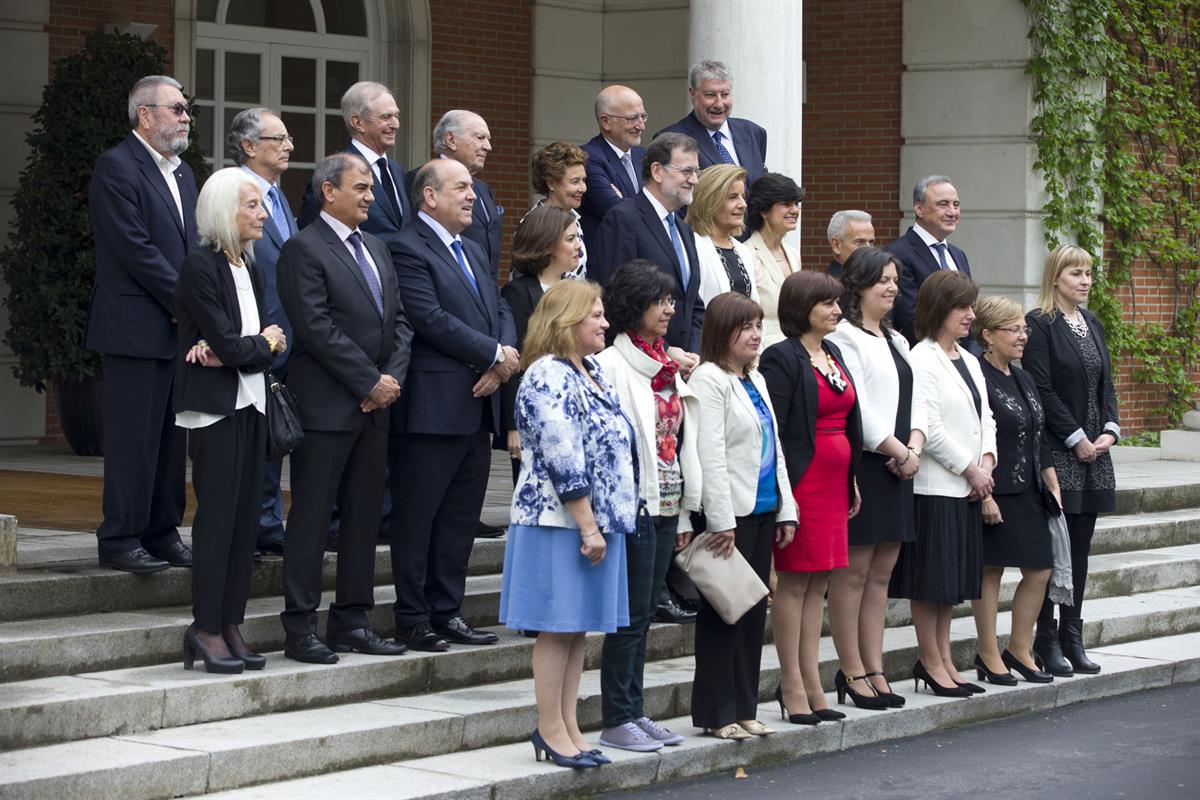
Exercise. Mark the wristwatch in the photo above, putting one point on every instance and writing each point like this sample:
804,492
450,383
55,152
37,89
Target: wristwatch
503,355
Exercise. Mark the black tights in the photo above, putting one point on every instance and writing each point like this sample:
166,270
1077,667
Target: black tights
1080,527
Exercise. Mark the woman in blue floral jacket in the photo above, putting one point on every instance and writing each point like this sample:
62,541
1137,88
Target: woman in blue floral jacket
576,495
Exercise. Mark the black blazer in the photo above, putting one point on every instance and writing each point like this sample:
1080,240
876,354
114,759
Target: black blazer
632,229
522,294
1053,358
486,230
793,387
206,306
919,264
604,171
342,343
749,140
1011,432
384,220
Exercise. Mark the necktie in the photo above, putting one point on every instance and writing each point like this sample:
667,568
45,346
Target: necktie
679,251
627,161
940,247
456,245
725,156
368,274
389,186
277,214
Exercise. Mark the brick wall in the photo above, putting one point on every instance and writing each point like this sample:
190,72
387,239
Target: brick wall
72,20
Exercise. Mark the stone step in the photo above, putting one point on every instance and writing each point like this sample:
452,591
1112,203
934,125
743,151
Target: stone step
229,754
31,649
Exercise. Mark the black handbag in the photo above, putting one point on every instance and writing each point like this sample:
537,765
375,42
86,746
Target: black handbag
284,431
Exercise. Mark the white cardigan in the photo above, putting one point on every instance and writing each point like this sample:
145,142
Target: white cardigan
769,278
714,280
956,438
629,370
732,452
876,382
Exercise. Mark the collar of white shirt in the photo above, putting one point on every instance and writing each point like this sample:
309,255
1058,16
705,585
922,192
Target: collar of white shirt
659,208
166,163
443,234
620,153
928,238
726,134
370,155
340,228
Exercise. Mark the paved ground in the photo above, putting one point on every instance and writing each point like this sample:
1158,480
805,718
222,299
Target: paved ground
1145,745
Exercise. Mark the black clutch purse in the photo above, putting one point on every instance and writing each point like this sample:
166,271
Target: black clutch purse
284,431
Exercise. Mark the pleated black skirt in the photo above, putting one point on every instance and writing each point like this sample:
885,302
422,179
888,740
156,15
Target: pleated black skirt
945,563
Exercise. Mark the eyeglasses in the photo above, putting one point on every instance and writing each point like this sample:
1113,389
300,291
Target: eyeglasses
1016,330
279,139
665,302
178,109
632,119
687,172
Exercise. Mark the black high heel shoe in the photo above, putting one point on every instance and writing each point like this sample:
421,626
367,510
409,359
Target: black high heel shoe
215,664
795,719
998,678
919,674
872,702
894,700
829,715
1031,675
239,650
577,761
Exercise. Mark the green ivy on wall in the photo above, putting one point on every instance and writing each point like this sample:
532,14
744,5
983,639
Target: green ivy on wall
1117,88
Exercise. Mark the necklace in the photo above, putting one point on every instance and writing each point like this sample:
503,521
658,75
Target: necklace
741,267
237,262
830,372
1077,324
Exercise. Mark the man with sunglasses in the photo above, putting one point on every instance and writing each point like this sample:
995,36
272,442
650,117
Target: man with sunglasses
614,164
142,202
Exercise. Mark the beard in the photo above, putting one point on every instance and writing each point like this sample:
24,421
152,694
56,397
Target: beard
169,142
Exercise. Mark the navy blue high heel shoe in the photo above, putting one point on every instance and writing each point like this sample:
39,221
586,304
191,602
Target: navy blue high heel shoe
577,761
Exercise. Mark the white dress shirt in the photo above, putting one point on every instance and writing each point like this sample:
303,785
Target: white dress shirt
726,140
930,240
373,159
662,212
343,233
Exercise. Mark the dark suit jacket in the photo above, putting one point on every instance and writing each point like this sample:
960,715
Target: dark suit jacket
631,229
834,270
793,388
140,245
487,230
342,344
1053,358
382,219
749,140
456,333
919,264
266,256
1013,461
522,294
604,171
206,305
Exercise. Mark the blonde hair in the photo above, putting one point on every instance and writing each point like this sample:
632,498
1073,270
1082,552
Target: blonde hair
709,195
992,312
1064,257
551,328
217,208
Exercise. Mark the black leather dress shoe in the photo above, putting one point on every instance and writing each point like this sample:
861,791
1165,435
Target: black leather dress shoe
421,637
176,554
486,531
458,631
364,640
136,560
309,649
668,611
274,548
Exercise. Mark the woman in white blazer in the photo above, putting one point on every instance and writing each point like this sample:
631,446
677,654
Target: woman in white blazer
748,504
717,217
944,566
893,422
773,211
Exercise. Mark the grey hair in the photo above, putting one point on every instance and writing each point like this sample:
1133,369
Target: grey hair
246,126
429,174
217,207
145,93
356,102
453,121
330,169
837,223
924,184
709,71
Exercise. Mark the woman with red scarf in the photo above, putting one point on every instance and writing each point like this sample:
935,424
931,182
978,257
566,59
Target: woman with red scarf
639,305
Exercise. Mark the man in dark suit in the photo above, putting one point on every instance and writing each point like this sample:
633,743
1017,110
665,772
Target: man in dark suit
614,166
464,137
462,351
924,249
646,226
372,118
259,143
722,139
848,230
142,202
352,343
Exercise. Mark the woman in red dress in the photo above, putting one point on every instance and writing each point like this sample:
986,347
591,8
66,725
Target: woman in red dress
821,433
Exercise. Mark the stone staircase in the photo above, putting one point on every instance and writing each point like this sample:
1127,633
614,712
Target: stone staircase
94,701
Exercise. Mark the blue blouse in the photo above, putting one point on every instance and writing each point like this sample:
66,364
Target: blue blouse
768,488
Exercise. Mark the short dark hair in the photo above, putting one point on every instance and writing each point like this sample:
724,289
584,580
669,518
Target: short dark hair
663,148
723,318
551,164
536,237
862,270
797,296
941,293
330,169
769,189
633,287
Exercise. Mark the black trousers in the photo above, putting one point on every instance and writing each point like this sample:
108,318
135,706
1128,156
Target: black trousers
318,466
1080,528
725,688
441,488
144,457
227,474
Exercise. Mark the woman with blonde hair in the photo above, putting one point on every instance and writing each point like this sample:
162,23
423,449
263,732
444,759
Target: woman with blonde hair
717,216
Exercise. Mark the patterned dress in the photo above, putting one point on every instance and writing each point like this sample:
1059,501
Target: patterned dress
1088,488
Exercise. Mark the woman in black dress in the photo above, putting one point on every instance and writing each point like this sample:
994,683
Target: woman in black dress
1016,529
1068,359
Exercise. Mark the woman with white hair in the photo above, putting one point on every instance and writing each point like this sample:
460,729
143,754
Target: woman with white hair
220,398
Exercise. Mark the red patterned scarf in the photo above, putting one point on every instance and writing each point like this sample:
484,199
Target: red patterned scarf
658,351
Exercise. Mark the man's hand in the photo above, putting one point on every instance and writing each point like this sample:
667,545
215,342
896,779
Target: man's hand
383,395
686,361
488,382
509,366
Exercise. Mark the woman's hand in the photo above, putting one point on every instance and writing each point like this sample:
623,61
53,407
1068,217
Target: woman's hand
513,445
857,506
980,480
593,546
1085,451
274,333
991,511
908,470
203,355
682,540
1103,442
720,544
784,533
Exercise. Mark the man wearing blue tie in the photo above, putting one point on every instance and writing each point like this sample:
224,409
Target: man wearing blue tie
259,143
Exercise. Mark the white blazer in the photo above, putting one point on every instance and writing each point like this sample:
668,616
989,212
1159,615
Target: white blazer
731,455
629,370
769,278
956,438
714,280
876,381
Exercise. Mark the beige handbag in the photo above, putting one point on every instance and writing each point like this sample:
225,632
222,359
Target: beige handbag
730,585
